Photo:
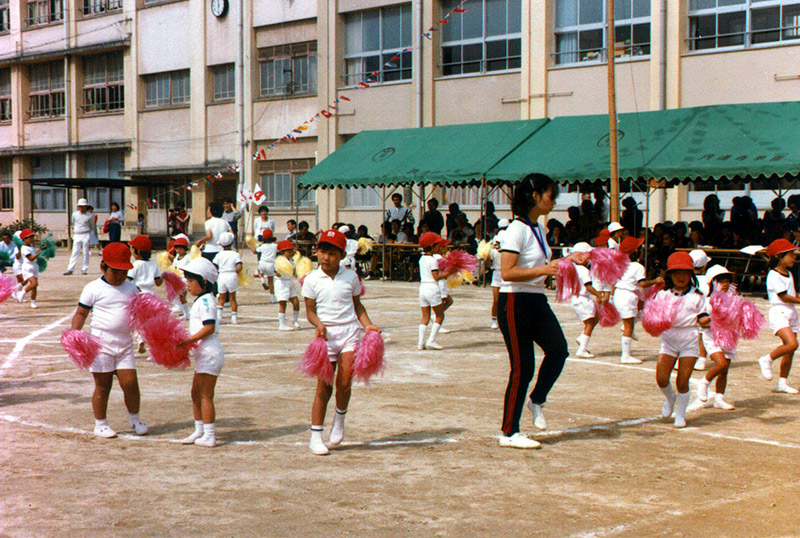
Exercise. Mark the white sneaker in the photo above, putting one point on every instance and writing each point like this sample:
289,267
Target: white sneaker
208,441
104,431
538,415
34,305
317,447
494,325
285,328
783,386
421,348
272,299
765,363
234,319
296,325
669,406
719,403
192,438
140,428
433,345
518,441
442,330
702,390
700,363
680,422
629,360
19,295
337,429
584,354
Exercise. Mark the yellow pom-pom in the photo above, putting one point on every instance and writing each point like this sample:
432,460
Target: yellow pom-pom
283,266
460,278
296,257
303,267
194,252
244,278
163,261
365,245
250,241
484,249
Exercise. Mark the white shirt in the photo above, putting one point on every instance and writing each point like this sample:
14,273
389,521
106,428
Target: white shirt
181,263
399,213
144,274
778,284
519,238
226,261
261,225
702,284
494,256
82,223
631,277
11,248
110,306
119,215
26,251
217,227
692,305
351,248
268,252
613,244
402,237
585,277
204,312
427,265
334,296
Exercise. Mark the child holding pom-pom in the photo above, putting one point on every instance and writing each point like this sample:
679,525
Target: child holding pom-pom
782,314
267,252
681,341
447,301
29,267
285,289
584,304
333,306
108,300
179,263
430,294
145,274
229,265
209,356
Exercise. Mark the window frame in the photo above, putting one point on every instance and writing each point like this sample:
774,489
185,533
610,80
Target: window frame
6,110
747,7
171,77
5,16
6,185
97,8
599,55
230,85
43,12
363,194
48,97
103,91
294,168
402,55
293,53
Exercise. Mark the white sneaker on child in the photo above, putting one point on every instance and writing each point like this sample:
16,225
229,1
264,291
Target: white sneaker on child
104,431
192,438
584,354
494,324
33,304
206,440
765,363
296,325
140,428
316,446
337,429
629,360
433,345
442,330
285,328
783,386
702,389
518,441
234,319
538,415
720,403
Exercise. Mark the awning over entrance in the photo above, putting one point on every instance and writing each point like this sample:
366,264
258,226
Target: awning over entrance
446,155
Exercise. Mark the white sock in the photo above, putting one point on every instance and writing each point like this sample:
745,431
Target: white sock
627,341
100,422
185,309
421,340
434,332
198,427
296,315
209,430
668,392
680,407
583,341
134,418
219,311
316,433
282,319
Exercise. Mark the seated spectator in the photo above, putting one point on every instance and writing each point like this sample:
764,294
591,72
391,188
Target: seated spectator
681,235
588,221
408,230
291,227
450,219
696,235
725,237
398,233
432,218
632,217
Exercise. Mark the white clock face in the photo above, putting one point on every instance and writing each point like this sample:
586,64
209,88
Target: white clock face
219,7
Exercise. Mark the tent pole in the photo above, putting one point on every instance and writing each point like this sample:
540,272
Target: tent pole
611,51
383,233
647,226
69,216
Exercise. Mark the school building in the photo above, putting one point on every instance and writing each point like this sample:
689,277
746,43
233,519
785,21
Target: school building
174,94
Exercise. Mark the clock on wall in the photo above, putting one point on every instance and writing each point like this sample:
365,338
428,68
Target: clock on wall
219,7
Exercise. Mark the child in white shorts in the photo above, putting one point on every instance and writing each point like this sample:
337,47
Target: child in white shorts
333,306
782,313
700,260
430,294
444,289
229,265
285,289
179,262
209,355
584,304
267,251
145,273
29,269
108,300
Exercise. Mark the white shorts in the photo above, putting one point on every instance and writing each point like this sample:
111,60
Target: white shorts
17,267
497,279
349,262
342,338
443,289
227,282
430,294
584,308
680,342
626,302
115,354
285,289
210,357
712,347
266,268
29,271
782,316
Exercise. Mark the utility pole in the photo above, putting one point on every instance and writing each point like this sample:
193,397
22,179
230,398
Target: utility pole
612,110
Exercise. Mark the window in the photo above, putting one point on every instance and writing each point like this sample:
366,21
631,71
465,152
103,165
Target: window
470,197
224,82
5,23
279,183
375,43
5,95
98,7
362,198
48,167
102,165
167,89
288,70
42,12
580,29
47,90
732,23
6,185
103,83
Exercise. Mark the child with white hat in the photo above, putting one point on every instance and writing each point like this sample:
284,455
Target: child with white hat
229,264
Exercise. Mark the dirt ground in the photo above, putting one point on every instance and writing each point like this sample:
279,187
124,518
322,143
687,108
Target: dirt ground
420,456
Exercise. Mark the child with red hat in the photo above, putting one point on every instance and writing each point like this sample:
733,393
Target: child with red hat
681,341
333,306
604,289
29,269
267,252
782,313
285,289
179,263
430,294
145,273
108,300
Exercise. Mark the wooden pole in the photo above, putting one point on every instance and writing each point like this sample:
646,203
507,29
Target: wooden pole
612,111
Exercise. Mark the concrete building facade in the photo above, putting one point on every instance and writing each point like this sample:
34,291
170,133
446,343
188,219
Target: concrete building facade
171,91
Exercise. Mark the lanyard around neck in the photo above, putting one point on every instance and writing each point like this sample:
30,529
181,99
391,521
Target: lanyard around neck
537,233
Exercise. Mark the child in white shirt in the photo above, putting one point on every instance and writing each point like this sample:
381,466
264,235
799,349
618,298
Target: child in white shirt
229,265
584,304
267,252
430,294
285,289
179,263
28,268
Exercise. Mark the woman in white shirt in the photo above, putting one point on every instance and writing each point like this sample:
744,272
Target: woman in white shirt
114,221
525,264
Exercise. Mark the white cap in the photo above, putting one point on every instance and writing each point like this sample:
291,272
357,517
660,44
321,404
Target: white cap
714,271
203,267
503,223
182,236
344,229
699,258
615,227
16,234
226,238
582,247
82,201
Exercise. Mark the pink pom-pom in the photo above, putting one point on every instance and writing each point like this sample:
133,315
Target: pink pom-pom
460,259
752,320
608,265
144,306
568,283
609,315
7,287
81,347
315,361
369,357
726,311
659,312
645,294
161,331
176,286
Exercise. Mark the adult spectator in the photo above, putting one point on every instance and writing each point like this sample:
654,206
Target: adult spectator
182,219
464,233
172,223
231,215
573,225
742,218
82,225
774,220
712,217
589,221
681,235
555,234
114,222
291,227
215,226
408,230
304,239
696,235
489,221
8,246
793,203
632,217
397,230
450,220
263,222
433,218
398,211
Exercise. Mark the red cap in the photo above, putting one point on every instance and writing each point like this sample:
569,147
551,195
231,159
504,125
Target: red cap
117,256
680,261
285,245
602,238
141,243
779,246
180,242
171,247
26,233
266,234
335,238
442,241
630,244
428,239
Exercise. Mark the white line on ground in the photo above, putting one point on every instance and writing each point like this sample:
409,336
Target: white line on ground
22,342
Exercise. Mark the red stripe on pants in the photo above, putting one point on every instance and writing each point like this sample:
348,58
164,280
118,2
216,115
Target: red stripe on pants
511,397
